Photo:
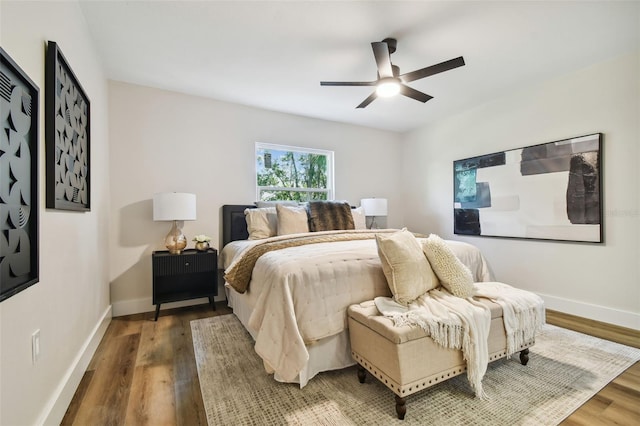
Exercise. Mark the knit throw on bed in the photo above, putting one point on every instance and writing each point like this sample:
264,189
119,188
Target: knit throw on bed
463,324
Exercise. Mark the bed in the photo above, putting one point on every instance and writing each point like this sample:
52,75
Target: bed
297,292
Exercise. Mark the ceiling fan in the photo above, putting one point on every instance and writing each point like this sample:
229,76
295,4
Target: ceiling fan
390,82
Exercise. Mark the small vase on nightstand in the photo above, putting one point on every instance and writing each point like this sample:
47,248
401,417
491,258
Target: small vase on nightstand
202,245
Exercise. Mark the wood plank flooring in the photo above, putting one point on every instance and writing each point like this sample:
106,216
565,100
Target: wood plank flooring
144,373
618,403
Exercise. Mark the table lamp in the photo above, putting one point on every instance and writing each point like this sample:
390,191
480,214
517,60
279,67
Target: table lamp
174,206
374,207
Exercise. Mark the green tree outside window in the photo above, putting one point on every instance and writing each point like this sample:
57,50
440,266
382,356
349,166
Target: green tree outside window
293,174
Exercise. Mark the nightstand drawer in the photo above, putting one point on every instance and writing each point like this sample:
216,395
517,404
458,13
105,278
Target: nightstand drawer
184,264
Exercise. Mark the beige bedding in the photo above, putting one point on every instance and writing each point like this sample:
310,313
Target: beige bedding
302,292
238,274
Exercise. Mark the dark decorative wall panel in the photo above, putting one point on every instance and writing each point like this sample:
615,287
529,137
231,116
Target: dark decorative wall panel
67,136
18,179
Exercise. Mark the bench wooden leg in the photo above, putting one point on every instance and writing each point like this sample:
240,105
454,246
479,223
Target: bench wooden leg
362,373
524,356
401,407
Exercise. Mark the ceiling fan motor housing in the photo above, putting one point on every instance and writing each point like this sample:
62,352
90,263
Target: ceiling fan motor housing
392,43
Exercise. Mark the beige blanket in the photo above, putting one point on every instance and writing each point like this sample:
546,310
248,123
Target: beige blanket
303,295
238,274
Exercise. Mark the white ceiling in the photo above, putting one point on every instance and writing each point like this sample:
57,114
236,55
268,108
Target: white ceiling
273,54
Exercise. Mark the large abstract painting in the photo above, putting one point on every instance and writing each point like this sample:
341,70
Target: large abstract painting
550,191
18,179
67,136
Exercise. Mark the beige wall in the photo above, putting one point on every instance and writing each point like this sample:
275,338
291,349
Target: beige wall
70,304
164,141
596,281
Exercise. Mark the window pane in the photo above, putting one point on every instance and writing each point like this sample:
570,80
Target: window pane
300,196
300,169
318,196
270,195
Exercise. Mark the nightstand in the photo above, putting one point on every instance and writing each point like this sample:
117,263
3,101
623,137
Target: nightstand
189,275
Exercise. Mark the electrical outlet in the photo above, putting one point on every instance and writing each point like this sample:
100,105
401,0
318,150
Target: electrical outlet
35,346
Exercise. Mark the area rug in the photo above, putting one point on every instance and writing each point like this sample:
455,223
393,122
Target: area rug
565,369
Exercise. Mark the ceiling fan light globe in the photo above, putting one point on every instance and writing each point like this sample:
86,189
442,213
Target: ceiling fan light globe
386,89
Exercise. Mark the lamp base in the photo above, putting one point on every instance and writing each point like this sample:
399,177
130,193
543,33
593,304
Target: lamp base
175,240
374,225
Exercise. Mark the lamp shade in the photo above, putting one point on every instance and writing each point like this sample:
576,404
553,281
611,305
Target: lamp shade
174,206
374,206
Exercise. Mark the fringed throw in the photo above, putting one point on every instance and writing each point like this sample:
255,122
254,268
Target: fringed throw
523,312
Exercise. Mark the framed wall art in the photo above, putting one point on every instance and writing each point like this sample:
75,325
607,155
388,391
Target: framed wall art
551,191
67,136
19,105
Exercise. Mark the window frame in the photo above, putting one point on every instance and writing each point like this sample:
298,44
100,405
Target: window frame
329,190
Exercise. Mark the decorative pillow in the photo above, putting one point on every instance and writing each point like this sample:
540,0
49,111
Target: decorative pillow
329,216
292,220
405,266
261,222
453,274
359,219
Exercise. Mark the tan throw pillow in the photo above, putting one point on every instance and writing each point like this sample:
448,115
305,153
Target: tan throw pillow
261,223
453,274
405,266
292,220
359,219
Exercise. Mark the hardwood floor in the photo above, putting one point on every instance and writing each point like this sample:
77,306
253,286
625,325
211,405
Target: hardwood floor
144,373
618,403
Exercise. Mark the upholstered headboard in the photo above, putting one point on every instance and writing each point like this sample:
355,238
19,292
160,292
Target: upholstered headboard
234,225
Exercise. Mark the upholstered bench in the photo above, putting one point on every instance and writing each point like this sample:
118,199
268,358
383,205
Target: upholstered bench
405,359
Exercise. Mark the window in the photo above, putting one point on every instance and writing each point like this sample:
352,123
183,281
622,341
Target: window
291,173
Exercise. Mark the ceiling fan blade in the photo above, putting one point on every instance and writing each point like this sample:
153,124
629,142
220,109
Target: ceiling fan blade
383,59
414,94
348,83
433,69
367,101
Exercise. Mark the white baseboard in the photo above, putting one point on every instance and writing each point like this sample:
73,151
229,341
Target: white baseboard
138,306
54,411
594,312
